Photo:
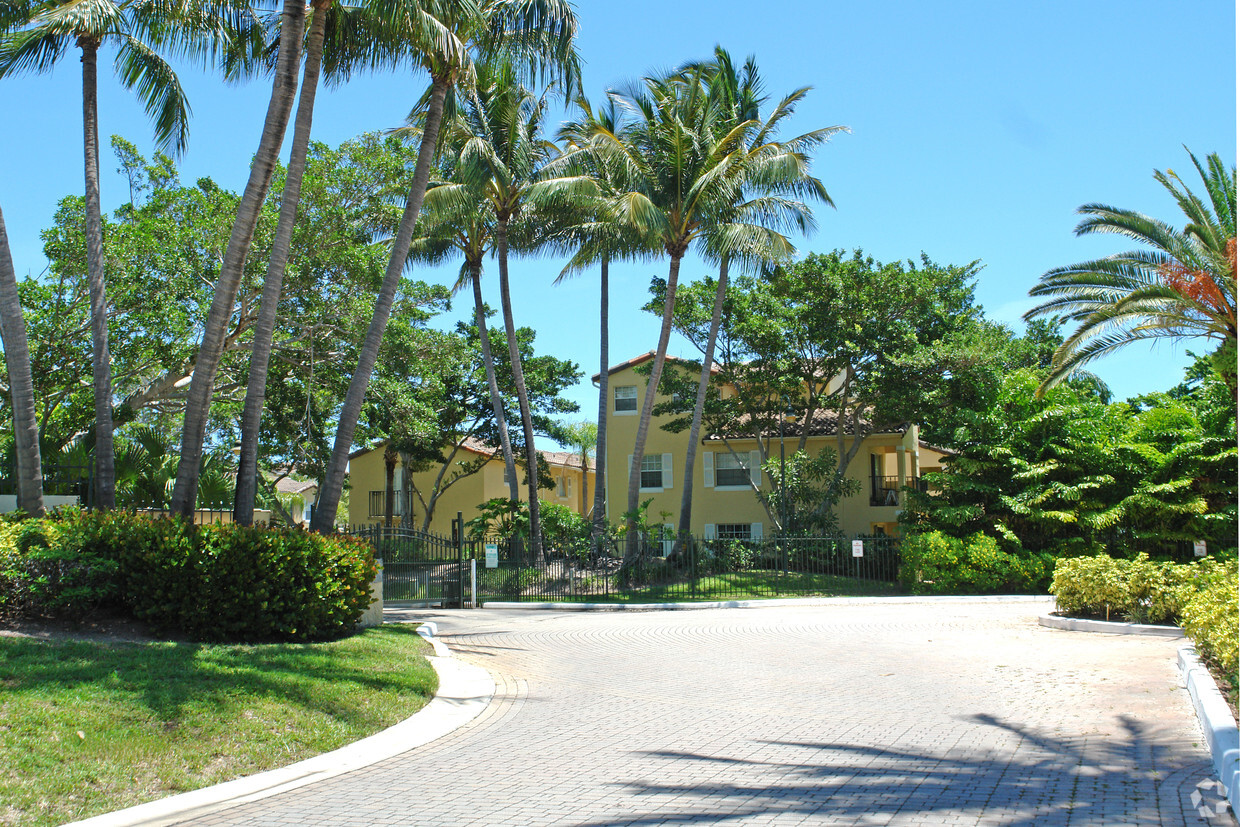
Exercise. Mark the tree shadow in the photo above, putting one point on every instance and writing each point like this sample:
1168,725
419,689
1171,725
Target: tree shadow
1042,780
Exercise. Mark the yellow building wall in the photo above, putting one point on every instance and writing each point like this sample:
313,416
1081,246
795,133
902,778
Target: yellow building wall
736,505
367,473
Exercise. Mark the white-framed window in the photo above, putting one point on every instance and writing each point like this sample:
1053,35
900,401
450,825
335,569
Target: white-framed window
733,531
652,471
561,488
735,471
656,471
625,399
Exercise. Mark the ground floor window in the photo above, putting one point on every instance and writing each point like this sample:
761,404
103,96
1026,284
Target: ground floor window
733,531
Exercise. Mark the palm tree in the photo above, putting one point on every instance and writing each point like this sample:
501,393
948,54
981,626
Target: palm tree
682,170
202,386
21,385
594,236
496,146
536,35
37,35
341,28
777,173
464,225
1185,286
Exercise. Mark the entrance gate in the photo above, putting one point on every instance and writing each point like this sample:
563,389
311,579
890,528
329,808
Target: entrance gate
419,567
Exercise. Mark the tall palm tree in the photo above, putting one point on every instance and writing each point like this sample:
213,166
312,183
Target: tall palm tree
682,171
496,146
351,38
594,236
536,35
210,350
464,225
1184,286
777,174
37,35
21,385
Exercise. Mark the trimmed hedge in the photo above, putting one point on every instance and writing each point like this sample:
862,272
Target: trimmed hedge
217,582
935,563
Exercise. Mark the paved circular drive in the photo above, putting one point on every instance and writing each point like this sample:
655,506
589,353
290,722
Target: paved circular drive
943,713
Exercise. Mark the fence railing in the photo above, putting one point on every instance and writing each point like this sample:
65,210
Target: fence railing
653,569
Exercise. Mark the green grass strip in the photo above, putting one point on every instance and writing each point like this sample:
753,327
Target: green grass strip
86,728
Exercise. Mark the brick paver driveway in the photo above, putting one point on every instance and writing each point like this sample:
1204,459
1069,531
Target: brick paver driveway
936,713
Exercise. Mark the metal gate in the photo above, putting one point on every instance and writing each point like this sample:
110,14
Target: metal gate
420,568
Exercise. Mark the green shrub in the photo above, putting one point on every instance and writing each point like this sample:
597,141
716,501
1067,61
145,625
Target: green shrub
935,563
222,582
1211,617
1091,585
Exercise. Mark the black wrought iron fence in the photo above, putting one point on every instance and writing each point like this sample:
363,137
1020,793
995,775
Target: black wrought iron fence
660,570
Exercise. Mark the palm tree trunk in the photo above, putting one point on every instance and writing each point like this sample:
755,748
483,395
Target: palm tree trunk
264,327
518,378
17,360
686,496
202,386
101,363
390,456
333,477
600,446
633,545
497,402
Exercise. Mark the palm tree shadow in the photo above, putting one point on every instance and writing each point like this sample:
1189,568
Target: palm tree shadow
1134,779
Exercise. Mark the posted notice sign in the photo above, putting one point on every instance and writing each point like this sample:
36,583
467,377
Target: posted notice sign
858,548
1199,548
492,555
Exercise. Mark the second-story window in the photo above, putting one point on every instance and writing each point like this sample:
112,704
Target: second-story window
626,399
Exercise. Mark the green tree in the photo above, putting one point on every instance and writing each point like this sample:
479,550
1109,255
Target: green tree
535,35
582,437
1184,286
34,36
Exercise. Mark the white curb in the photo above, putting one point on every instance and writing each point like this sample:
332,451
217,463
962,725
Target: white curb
1216,722
464,692
1111,627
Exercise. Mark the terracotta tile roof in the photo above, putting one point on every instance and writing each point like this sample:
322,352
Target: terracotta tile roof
637,360
288,485
824,423
477,446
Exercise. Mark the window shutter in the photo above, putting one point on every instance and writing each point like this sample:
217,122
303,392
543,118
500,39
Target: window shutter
708,469
755,531
667,470
709,532
755,468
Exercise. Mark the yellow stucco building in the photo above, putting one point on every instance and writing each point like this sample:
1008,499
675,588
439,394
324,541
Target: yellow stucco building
724,473
413,491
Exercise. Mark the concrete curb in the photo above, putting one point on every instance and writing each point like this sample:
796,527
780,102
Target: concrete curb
1076,624
464,692
1216,722
773,602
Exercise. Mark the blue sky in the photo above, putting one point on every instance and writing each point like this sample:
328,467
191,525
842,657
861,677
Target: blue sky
977,129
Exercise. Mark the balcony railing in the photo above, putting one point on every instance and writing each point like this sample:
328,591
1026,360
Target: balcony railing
886,490
402,502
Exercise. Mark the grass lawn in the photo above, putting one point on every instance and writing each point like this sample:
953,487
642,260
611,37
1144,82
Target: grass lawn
89,727
749,585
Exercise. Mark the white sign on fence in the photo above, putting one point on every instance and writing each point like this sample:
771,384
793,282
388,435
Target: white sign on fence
1199,548
858,548
492,555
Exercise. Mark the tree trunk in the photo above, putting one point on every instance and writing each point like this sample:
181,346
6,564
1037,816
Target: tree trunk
518,378
390,456
600,447
264,328
333,478
497,402
21,385
202,386
632,546
686,496
101,362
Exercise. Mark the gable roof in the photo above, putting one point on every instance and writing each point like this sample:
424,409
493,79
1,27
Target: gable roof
559,459
648,356
824,422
